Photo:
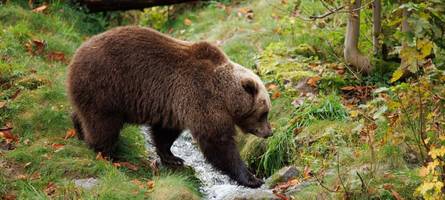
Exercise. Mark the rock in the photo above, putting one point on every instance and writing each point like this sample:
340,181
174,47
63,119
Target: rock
297,188
231,192
282,175
257,195
87,183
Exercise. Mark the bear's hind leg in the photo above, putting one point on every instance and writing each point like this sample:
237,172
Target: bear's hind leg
102,132
77,125
163,139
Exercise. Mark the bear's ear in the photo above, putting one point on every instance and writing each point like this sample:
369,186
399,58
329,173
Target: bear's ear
250,86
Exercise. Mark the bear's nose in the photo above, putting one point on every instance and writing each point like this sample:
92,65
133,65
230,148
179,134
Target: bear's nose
267,133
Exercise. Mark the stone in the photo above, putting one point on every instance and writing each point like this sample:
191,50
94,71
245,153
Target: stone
282,175
87,183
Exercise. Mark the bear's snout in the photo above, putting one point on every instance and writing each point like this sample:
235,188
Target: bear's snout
264,132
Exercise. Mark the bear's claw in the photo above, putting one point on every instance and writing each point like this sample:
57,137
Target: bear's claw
172,161
254,182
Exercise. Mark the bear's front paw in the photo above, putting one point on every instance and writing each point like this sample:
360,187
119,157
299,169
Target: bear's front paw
254,182
251,181
172,161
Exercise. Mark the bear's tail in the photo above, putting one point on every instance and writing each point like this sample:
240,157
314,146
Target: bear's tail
77,125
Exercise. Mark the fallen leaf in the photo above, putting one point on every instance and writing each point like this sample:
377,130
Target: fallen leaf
297,131
56,56
16,94
40,9
340,71
396,195
27,141
388,186
271,86
307,172
35,176
187,22
70,133
244,10
138,183
57,146
8,136
27,164
348,88
281,196
276,95
150,184
50,189
313,81
2,104
127,165
287,184
21,177
9,196
35,46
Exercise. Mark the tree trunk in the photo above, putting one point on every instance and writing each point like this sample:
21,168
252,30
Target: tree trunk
111,5
352,54
376,25
405,29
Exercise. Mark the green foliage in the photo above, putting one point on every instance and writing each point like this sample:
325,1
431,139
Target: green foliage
155,17
325,108
280,148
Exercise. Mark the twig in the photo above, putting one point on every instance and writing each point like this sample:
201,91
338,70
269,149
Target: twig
411,125
327,14
323,186
364,187
5,128
339,176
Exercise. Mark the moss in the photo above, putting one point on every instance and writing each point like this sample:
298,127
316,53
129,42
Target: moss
174,187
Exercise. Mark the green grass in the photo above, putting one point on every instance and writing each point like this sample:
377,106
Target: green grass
282,48
33,88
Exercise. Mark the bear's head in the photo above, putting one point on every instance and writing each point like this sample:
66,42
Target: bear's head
253,117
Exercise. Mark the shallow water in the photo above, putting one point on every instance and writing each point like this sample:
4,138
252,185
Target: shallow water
215,185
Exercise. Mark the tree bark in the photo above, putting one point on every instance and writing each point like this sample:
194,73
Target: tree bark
405,29
112,5
352,54
376,24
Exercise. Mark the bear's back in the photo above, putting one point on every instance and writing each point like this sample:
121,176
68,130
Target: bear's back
141,72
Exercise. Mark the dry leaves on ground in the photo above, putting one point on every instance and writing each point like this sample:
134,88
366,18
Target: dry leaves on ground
187,22
50,188
40,9
56,56
127,165
70,133
35,46
7,135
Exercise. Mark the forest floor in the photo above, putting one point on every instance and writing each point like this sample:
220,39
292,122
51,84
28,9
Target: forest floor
316,114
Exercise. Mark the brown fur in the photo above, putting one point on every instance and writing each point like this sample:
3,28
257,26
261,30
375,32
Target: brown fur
137,75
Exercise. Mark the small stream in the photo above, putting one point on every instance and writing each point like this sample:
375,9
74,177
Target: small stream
215,185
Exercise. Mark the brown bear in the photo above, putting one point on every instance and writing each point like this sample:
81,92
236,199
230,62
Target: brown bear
140,76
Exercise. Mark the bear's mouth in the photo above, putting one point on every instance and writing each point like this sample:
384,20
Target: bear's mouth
264,135
261,134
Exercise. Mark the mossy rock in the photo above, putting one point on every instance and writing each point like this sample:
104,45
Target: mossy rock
305,50
282,175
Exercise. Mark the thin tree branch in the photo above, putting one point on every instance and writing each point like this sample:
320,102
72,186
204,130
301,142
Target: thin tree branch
327,14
